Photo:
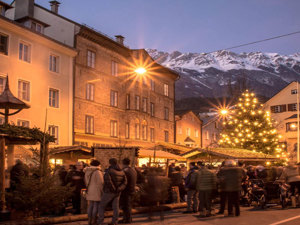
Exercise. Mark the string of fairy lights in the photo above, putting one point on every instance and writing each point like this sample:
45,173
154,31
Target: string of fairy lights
248,126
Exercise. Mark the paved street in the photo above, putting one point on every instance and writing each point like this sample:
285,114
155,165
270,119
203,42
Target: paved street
249,216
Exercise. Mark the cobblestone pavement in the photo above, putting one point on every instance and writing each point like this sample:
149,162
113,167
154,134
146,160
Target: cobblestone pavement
249,216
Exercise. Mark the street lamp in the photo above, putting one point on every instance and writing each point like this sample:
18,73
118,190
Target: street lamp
140,70
224,112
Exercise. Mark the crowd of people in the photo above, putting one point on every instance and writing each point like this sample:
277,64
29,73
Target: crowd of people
198,186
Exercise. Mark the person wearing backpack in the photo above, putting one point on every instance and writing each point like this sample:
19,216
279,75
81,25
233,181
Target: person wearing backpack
93,179
115,182
190,185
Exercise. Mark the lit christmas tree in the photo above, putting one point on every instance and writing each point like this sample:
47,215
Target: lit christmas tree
248,127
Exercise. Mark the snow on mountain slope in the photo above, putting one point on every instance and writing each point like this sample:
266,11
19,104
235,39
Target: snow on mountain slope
215,74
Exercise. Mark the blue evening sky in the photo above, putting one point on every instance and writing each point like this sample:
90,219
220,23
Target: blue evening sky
191,25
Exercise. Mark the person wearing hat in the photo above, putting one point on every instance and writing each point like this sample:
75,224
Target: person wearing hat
94,182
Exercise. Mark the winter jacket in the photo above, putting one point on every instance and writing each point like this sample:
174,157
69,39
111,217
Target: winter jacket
290,174
76,179
230,178
190,180
131,176
205,180
176,178
115,180
94,182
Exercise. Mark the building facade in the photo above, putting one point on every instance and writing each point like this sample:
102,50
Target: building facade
283,108
40,73
188,129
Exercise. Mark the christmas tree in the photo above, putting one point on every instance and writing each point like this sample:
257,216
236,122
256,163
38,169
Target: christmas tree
247,126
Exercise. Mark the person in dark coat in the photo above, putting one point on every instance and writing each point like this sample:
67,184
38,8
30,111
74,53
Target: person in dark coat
127,194
230,178
18,171
76,180
192,194
115,182
177,181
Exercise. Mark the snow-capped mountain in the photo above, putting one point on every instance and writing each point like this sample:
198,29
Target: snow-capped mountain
217,74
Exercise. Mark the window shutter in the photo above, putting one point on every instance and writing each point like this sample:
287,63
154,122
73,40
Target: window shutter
290,107
283,108
273,109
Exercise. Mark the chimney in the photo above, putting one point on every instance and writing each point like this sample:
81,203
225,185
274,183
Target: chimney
120,39
54,6
23,8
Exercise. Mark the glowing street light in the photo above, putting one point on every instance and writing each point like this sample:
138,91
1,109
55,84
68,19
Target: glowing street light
224,112
140,70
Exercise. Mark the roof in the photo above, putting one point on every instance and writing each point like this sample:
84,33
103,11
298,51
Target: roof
8,100
279,92
5,5
230,153
62,149
181,148
294,116
188,139
146,153
184,112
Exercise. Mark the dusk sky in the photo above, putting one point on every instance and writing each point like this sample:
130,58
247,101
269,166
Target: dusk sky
191,25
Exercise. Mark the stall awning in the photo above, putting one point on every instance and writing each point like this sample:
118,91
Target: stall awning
176,147
62,149
146,153
231,153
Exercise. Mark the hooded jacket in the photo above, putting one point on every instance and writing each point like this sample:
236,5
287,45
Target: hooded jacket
115,180
94,182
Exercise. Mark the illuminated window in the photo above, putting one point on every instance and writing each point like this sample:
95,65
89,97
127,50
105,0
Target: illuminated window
144,104
54,63
137,131
37,27
55,162
196,133
152,134
53,98
291,126
166,136
188,131
91,59
127,130
166,114
144,132
90,91
152,85
3,44
128,101
89,124
114,98
114,68
24,90
166,89
23,123
53,130
207,135
24,52
152,109
2,84
113,128
137,102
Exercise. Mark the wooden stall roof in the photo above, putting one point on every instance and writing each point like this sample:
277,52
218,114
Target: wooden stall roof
62,149
143,153
231,153
181,148
20,140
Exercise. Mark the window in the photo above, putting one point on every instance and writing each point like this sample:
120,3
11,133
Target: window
114,98
23,123
90,91
278,108
37,27
24,52
188,131
152,134
166,89
166,113
166,136
114,68
54,63
91,59
137,131
53,130
3,44
24,90
53,98
179,130
113,128
207,135
137,102
152,109
291,126
128,101
144,104
144,132
2,84
294,91
152,85
292,107
196,133
89,124
1,120
127,130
